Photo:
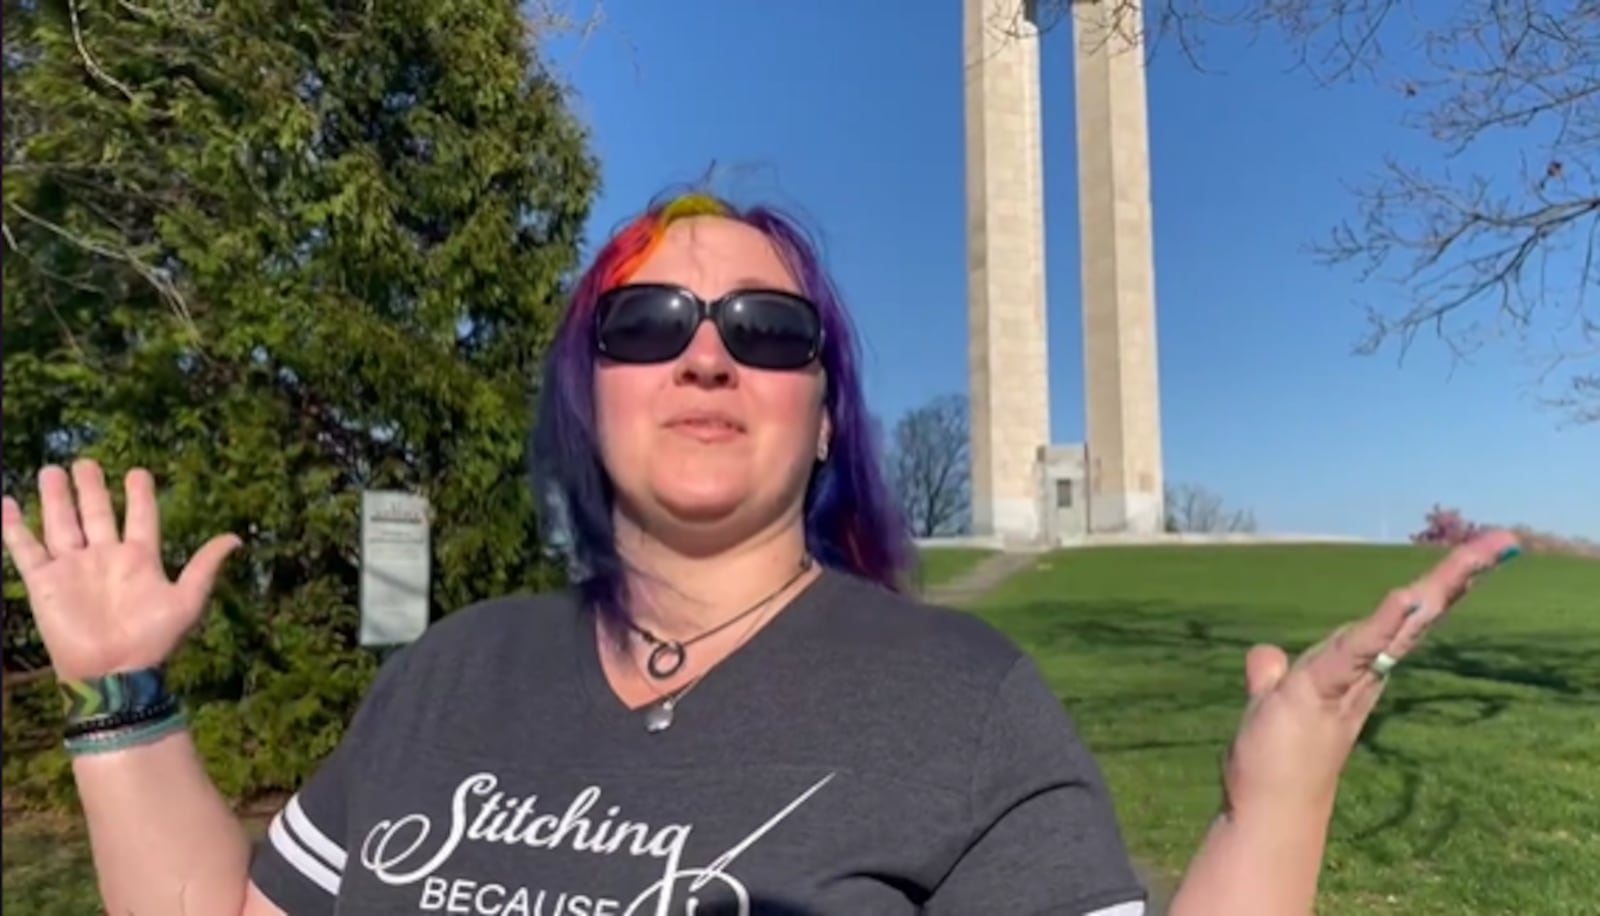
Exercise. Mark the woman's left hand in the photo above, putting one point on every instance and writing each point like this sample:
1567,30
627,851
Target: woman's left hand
1302,720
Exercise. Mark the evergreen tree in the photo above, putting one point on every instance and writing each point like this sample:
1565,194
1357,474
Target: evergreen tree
279,251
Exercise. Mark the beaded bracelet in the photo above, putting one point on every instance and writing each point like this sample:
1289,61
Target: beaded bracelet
164,708
104,742
118,711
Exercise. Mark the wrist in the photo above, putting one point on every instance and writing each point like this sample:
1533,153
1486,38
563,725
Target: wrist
119,711
1289,839
1257,862
97,669
1299,814
1279,810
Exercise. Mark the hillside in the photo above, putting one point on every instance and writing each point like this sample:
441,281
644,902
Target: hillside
1476,788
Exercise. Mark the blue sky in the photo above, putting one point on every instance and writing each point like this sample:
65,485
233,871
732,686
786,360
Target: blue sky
851,113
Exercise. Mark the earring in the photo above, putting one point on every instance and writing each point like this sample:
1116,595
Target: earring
822,452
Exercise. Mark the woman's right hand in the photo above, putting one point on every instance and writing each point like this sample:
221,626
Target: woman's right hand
102,600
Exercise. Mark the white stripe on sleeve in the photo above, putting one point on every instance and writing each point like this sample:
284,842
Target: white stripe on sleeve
1131,908
314,839
315,870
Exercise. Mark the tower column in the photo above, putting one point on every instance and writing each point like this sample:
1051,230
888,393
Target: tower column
1007,342
1121,388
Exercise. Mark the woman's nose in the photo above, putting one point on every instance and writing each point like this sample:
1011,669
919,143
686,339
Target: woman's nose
706,361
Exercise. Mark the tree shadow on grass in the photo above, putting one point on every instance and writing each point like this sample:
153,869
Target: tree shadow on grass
1442,707
1117,625
1562,664
1499,674
1540,672
1132,637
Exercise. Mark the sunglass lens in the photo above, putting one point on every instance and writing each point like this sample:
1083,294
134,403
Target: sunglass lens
770,330
646,324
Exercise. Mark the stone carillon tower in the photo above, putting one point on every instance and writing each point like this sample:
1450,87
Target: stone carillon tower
1017,493
1007,343
1121,388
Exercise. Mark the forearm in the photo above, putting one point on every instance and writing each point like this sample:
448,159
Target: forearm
164,839
1256,866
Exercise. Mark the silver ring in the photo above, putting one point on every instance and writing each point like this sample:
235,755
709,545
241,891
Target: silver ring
1383,664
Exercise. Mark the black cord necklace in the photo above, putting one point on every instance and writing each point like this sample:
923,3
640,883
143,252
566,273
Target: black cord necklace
668,656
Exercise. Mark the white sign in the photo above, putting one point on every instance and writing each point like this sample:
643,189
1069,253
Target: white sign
395,569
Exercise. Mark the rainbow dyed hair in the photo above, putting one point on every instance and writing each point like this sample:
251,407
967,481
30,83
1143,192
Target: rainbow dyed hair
852,522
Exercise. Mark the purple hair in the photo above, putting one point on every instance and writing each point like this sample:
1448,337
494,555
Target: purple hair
852,521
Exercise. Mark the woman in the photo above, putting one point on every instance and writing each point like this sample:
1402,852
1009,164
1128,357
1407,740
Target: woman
735,712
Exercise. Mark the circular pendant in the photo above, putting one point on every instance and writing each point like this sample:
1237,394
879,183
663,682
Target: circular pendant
666,659
658,718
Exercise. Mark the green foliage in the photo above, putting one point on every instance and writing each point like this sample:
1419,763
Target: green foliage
279,252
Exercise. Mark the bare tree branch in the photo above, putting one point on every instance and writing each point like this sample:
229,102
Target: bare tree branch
1488,249
158,278
89,62
929,468
1491,241
1195,509
546,18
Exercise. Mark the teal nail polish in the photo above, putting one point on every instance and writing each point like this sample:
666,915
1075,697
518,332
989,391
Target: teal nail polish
1507,555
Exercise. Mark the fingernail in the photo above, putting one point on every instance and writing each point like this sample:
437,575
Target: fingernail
1507,555
1414,609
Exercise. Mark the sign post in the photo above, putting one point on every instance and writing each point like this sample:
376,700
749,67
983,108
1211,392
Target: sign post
396,568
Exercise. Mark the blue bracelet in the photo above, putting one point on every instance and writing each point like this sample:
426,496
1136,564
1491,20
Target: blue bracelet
100,698
121,739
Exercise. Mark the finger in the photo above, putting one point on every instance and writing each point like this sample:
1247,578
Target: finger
1419,621
1440,588
200,576
1346,657
59,514
143,522
1405,615
94,502
26,551
1264,667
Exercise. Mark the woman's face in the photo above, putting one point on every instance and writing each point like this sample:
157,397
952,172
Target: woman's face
702,443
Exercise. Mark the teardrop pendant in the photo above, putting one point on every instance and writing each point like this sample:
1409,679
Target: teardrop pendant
658,718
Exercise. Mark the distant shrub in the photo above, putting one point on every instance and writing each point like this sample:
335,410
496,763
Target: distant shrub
1448,527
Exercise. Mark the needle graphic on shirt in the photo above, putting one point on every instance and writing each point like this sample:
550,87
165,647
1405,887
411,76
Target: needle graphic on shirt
717,866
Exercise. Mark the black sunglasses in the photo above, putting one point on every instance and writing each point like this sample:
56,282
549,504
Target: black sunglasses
655,323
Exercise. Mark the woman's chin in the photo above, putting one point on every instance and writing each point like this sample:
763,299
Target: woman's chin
699,508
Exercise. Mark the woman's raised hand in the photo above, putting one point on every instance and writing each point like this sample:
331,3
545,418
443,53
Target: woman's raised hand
1302,720
101,597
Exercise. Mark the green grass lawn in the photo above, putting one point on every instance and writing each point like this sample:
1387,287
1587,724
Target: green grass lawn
1475,790
48,870
944,564
47,873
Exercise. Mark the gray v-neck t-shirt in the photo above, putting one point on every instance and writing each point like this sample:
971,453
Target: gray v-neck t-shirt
862,754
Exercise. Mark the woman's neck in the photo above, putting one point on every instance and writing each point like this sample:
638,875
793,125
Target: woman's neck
677,596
